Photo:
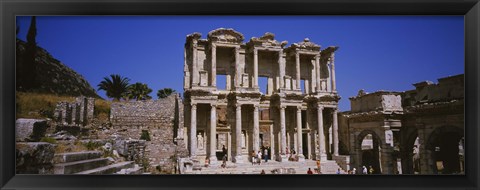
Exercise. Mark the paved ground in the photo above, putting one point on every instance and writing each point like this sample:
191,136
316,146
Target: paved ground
270,167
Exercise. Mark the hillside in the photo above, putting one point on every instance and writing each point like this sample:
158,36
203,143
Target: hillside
53,77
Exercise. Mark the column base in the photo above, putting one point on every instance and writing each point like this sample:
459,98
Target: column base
322,157
239,159
301,158
282,158
213,160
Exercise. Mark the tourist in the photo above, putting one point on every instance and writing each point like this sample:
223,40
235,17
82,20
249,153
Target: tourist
349,172
259,156
263,172
354,171
371,170
309,171
207,162
224,150
265,155
338,171
364,170
254,156
318,166
224,160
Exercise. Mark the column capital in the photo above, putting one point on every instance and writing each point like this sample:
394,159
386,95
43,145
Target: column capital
282,107
213,105
194,105
255,51
238,107
319,107
213,45
299,108
297,54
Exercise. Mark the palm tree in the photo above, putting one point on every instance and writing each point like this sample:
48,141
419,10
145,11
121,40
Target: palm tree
139,91
116,86
163,93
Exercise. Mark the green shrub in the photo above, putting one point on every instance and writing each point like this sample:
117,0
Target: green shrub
145,135
90,145
48,140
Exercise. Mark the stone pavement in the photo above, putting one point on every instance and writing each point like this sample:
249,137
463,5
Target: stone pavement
270,167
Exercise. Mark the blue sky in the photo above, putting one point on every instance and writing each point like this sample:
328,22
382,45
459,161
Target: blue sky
376,52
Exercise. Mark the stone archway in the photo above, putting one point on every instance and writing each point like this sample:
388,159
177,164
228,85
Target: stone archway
443,143
411,153
368,156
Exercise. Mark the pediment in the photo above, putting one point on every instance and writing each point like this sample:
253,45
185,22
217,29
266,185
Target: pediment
225,35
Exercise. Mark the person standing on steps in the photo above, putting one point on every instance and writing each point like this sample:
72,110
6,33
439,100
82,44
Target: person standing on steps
259,156
253,157
309,171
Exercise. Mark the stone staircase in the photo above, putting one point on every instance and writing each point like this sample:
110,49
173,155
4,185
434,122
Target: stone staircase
270,167
91,162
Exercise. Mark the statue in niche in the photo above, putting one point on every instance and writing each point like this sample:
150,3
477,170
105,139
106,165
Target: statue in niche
243,140
199,141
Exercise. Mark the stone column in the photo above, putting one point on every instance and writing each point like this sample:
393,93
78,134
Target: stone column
272,143
214,65
213,133
332,61
297,70
281,69
317,70
256,130
335,132
321,136
283,135
193,130
238,77
238,134
194,64
255,68
301,157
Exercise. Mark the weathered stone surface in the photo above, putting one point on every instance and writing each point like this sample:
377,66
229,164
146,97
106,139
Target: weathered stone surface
34,158
30,129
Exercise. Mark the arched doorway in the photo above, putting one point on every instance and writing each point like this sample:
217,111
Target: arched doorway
445,144
368,145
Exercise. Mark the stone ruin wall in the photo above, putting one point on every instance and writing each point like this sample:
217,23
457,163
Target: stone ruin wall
377,101
77,113
163,122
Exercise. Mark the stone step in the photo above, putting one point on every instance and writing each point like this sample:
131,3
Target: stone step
110,169
78,166
76,156
131,171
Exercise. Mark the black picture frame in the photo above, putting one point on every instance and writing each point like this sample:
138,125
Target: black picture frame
11,8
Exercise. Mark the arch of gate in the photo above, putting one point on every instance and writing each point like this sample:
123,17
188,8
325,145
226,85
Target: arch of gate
408,138
442,147
359,153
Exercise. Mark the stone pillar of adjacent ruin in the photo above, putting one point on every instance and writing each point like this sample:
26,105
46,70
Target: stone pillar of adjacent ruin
283,135
281,69
193,130
238,134
194,64
317,70
332,62
214,65
301,157
335,132
256,130
213,133
90,105
255,68
321,136
297,70
74,114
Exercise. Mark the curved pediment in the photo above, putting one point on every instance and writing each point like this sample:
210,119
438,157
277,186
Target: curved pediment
306,45
268,39
225,35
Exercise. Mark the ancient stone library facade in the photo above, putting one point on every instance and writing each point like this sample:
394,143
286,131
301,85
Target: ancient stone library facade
417,131
226,112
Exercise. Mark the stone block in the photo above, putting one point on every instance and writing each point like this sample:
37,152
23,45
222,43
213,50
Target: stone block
34,158
30,129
